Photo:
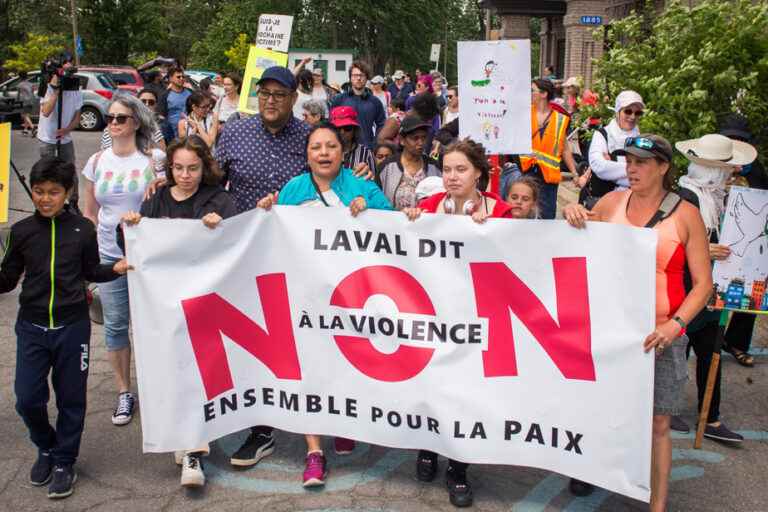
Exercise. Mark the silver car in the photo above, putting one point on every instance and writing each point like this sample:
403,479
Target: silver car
97,88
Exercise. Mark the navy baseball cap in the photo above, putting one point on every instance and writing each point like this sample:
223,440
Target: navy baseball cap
279,74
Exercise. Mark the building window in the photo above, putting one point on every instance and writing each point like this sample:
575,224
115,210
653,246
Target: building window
341,65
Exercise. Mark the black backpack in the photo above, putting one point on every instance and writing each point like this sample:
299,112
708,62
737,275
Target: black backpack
596,187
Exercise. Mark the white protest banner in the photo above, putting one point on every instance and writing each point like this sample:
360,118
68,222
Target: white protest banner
511,342
495,92
741,280
434,53
274,32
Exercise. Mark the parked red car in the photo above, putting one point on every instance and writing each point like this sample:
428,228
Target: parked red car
126,77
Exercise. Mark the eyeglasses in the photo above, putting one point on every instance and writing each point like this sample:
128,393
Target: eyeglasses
636,113
357,75
148,102
205,106
278,96
117,118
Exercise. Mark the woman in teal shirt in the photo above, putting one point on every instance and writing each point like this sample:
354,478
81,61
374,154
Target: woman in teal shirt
327,184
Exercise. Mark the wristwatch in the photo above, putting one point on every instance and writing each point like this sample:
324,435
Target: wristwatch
682,324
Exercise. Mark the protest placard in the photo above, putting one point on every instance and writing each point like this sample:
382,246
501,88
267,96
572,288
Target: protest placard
259,59
495,92
274,32
5,170
741,279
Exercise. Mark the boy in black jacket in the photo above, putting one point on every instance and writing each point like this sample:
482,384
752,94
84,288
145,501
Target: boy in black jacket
56,251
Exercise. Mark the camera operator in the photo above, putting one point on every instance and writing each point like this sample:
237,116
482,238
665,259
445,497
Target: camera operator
54,135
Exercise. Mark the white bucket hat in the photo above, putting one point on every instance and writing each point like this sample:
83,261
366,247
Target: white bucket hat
715,150
627,98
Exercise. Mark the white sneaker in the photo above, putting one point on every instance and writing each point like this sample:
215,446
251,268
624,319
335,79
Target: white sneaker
192,470
124,410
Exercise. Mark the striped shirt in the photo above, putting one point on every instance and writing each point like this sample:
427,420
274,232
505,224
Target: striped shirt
358,154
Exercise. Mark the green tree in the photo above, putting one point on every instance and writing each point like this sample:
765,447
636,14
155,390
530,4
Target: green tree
33,51
692,66
237,55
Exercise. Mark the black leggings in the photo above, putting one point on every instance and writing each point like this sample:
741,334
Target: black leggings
703,343
739,333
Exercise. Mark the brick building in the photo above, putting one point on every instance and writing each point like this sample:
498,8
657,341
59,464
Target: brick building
567,40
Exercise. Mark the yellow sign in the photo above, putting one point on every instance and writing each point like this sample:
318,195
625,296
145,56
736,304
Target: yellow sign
5,169
259,59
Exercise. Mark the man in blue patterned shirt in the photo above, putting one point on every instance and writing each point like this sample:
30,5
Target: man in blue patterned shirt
259,154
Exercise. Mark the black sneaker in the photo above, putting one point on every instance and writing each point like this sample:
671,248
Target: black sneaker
41,470
426,466
255,448
677,424
722,433
63,483
579,488
459,490
124,410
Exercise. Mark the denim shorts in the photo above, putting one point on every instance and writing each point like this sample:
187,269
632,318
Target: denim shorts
670,377
117,314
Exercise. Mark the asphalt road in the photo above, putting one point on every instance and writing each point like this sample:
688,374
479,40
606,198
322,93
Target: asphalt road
116,476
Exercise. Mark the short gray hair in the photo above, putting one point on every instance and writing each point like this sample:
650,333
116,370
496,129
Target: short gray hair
145,119
315,107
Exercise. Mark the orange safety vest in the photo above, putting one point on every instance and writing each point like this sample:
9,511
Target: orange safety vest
547,148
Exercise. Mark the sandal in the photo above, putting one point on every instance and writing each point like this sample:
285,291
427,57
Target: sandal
743,358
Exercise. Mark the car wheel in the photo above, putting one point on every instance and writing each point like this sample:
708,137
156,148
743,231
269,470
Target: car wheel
90,119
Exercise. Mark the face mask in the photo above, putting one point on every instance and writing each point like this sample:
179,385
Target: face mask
745,169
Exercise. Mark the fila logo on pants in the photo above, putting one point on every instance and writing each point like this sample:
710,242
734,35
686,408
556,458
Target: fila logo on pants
84,357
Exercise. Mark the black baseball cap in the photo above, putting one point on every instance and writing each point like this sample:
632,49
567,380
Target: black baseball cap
647,146
279,74
412,123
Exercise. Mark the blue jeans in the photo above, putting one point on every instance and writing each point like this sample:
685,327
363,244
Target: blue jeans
117,314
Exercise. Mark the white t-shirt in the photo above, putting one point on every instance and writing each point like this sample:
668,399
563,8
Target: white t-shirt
298,107
450,116
46,127
225,108
119,183
330,197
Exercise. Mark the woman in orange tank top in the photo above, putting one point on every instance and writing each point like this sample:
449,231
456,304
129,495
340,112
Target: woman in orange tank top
682,239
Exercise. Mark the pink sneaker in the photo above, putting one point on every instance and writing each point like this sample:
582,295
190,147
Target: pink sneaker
343,446
314,471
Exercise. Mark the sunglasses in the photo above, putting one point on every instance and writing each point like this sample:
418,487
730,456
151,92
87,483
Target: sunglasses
117,118
648,145
347,128
148,102
636,113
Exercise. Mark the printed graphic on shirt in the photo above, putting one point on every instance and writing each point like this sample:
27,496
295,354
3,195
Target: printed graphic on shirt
118,182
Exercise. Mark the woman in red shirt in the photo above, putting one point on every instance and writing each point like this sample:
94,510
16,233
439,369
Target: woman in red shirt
465,175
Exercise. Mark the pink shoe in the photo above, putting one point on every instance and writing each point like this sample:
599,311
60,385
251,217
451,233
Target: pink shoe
314,471
343,446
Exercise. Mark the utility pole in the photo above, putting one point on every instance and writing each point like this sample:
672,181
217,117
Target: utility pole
73,8
488,24
445,62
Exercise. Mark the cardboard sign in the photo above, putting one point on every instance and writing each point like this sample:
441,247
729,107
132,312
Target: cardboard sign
274,32
5,168
495,92
434,54
259,59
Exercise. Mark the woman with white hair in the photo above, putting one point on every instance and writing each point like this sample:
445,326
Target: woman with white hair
116,178
609,171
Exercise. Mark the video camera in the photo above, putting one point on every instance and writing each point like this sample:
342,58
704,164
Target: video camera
55,66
